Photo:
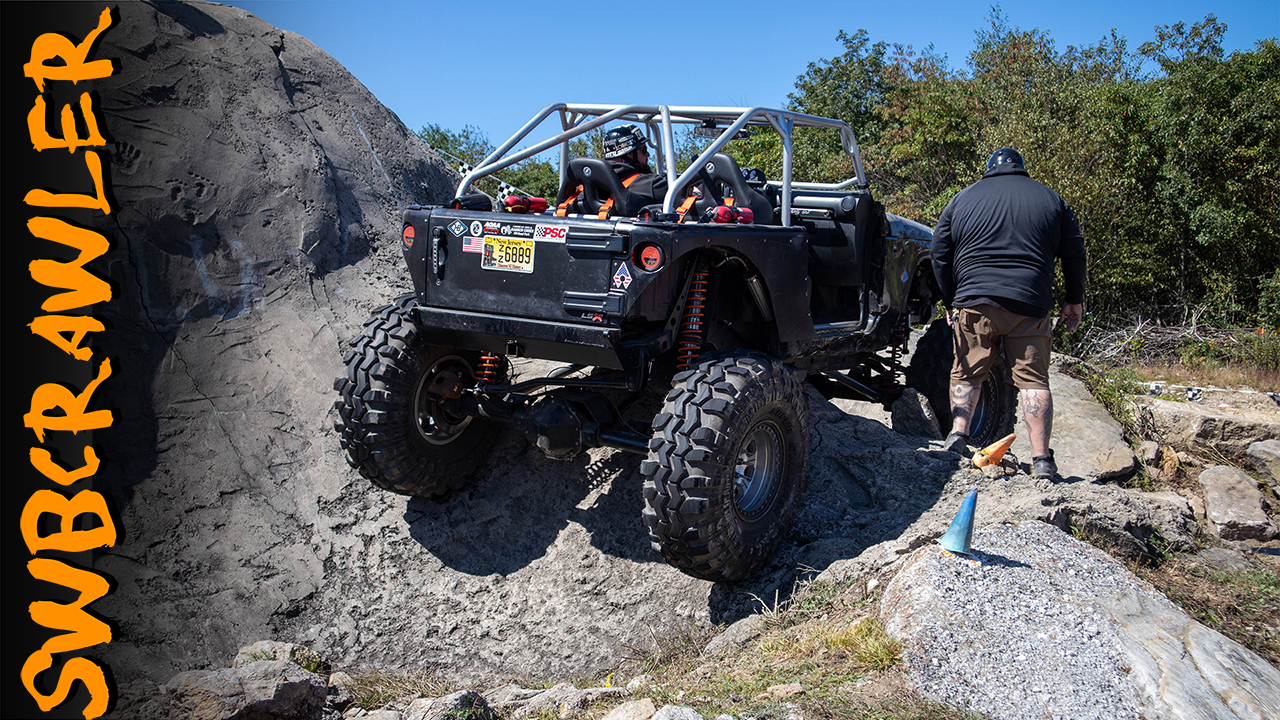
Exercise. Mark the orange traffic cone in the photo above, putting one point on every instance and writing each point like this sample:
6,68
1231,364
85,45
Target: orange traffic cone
993,453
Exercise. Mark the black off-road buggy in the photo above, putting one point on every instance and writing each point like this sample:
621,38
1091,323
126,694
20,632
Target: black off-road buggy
815,283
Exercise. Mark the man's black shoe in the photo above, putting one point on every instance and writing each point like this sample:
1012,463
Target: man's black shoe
957,443
1044,468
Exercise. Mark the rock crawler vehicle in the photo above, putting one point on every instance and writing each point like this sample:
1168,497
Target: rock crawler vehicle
742,286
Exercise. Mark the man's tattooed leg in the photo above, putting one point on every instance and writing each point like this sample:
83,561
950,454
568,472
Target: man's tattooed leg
1037,410
964,398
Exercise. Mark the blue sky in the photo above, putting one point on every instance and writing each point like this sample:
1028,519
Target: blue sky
494,65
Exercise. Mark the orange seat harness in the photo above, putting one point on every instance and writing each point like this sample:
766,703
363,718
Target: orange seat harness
563,208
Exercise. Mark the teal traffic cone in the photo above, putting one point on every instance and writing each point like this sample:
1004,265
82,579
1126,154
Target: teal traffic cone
960,534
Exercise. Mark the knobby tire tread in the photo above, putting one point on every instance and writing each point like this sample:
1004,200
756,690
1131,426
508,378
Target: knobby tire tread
376,423
693,454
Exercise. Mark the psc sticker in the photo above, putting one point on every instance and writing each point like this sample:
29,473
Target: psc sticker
550,232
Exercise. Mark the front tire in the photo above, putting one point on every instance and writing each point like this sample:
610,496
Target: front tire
727,465
395,432
930,374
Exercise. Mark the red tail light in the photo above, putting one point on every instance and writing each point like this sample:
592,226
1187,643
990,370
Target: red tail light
647,257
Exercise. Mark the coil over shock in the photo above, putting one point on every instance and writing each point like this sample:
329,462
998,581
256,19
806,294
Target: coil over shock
487,369
689,342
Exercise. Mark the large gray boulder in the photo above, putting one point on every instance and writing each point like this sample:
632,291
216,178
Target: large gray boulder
258,187
1198,427
262,690
1043,625
1233,504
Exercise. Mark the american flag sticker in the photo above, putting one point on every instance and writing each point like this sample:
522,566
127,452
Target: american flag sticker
473,245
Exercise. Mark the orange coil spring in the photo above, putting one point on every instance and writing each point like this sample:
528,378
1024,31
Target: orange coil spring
487,371
689,344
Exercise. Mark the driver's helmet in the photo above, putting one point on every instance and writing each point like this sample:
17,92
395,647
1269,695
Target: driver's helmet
621,140
1005,155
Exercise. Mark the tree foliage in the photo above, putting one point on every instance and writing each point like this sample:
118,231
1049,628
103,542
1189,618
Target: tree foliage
471,145
1169,156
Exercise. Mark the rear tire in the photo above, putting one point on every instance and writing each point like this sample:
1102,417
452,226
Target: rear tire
395,432
727,465
930,374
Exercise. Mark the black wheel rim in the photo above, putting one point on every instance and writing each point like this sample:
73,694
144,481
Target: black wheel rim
435,424
758,470
978,423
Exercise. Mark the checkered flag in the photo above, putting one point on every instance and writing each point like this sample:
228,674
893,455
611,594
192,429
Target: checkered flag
505,189
1194,393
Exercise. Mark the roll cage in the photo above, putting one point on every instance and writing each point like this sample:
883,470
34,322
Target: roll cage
658,120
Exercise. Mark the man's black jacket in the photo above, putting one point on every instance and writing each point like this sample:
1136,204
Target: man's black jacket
653,188
998,238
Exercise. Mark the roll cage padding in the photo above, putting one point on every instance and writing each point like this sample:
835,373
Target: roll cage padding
599,182
723,170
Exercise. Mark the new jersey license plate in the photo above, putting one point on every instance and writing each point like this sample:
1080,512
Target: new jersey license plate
507,254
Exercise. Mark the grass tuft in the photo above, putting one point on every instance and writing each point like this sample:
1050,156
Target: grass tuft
371,689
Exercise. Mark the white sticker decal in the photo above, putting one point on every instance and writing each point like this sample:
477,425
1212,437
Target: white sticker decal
550,232
457,228
476,228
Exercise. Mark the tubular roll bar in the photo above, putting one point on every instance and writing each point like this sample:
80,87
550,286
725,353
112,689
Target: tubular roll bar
577,119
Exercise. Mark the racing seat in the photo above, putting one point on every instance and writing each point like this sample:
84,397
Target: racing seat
721,172
588,186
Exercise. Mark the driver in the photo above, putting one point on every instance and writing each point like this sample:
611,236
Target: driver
627,151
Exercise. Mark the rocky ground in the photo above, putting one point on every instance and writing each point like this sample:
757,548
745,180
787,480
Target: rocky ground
259,189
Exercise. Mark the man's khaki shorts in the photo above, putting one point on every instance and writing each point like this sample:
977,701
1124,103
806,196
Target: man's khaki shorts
977,335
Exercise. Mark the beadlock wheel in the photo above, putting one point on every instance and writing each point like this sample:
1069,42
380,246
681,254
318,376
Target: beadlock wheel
727,465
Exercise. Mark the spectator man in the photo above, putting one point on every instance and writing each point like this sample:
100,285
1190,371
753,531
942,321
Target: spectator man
993,256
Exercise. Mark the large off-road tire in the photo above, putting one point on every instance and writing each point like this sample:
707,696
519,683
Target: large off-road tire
395,432
727,465
930,374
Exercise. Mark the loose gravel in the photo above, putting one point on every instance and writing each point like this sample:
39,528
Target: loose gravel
1018,633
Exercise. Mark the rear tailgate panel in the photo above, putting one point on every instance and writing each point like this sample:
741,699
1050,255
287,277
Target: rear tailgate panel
569,257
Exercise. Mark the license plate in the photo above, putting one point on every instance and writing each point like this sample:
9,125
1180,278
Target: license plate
507,254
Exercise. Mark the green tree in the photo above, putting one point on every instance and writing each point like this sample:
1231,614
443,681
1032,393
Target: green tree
471,145
1215,126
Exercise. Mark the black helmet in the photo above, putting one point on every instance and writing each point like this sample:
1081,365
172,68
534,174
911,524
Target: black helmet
622,140
1005,155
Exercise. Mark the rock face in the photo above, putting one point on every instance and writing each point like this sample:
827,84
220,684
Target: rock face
1089,639
1193,427
1233,504
259,187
